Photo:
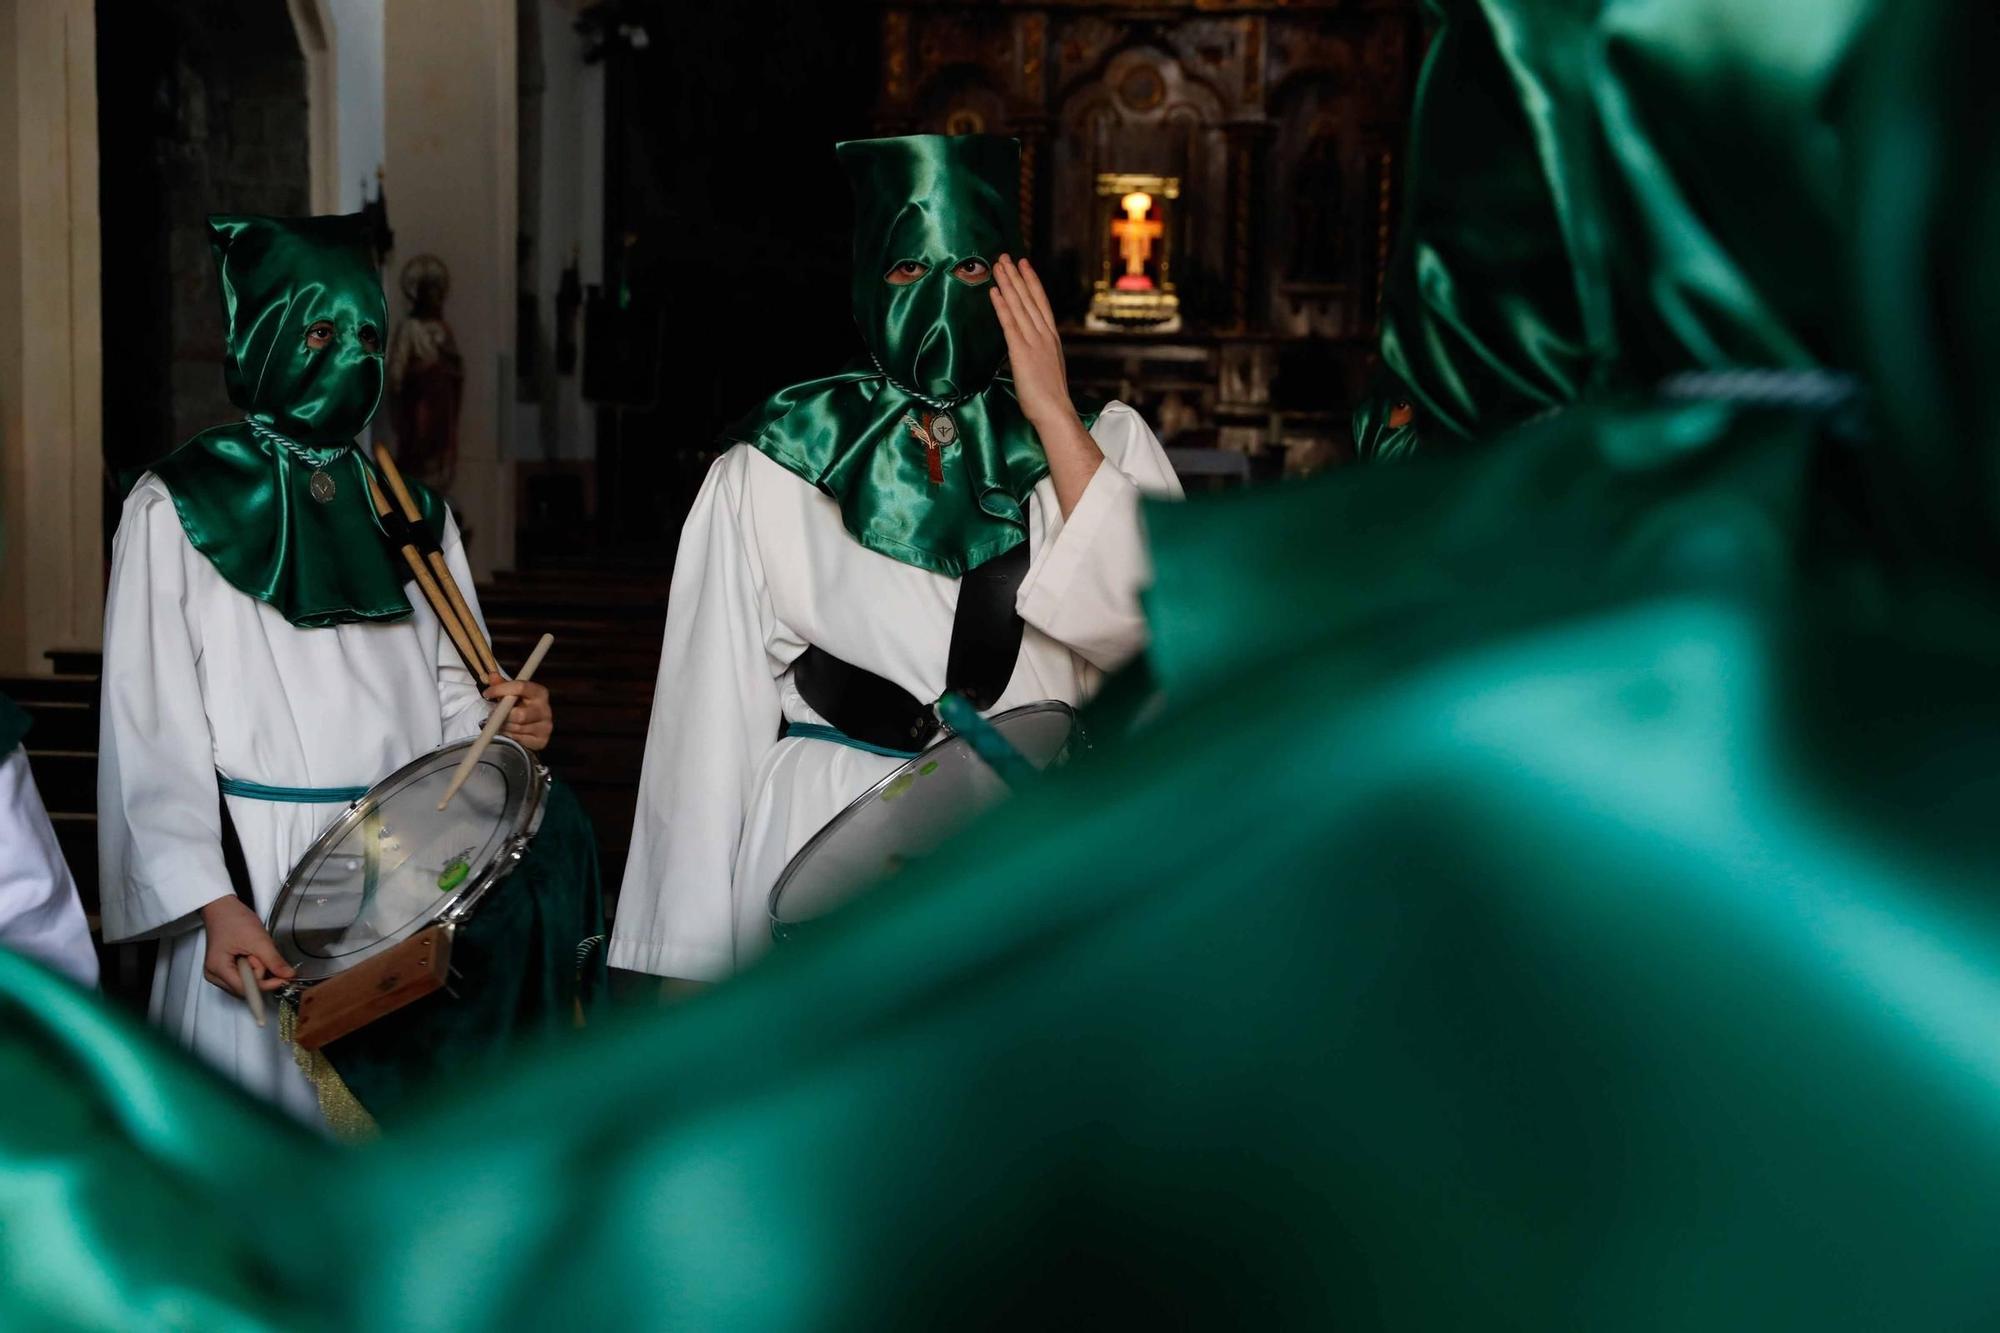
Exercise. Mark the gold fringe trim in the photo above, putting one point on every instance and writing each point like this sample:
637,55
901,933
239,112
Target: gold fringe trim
344,1113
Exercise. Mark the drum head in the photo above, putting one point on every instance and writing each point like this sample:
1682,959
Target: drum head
394,864
909,813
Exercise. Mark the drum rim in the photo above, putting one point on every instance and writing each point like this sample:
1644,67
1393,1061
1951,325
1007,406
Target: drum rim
826,830
458,904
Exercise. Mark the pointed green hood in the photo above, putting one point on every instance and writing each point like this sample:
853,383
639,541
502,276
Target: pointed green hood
934,350
278,502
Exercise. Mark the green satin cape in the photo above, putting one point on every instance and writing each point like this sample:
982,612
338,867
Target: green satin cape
246,506
846,435
244,499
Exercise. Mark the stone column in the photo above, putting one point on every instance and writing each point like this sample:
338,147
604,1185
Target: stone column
314,24
51,450
453,162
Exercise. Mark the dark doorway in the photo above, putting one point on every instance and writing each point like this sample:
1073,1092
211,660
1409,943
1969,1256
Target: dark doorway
201,109
726,235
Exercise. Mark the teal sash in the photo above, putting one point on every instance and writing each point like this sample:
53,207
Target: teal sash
257,791
813,731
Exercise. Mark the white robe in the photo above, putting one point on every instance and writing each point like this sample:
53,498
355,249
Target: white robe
766,568
40,914
200,678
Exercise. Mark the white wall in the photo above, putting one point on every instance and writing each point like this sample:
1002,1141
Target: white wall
450,131
358,65
571,221
51,445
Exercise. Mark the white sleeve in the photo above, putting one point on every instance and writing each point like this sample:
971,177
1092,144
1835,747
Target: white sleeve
1082,589
716,713
461,701
40,914
159,833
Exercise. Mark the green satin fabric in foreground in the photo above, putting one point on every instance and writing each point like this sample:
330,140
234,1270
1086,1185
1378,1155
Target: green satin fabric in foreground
935,201
246,502
137,1190
1560,969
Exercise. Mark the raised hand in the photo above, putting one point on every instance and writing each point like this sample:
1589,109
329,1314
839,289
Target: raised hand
1041,381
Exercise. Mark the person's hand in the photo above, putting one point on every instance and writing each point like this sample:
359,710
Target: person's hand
235,932
1041,382
533,721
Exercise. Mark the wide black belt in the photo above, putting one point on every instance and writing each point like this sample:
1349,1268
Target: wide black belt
985,643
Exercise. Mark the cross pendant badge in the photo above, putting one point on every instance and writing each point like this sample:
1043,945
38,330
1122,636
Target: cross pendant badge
933,455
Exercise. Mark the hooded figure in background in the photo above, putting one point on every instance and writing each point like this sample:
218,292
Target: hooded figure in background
830,542
260,646
278,502
1549,259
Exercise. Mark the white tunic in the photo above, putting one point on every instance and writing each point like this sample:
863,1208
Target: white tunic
200,678
766,568
40,914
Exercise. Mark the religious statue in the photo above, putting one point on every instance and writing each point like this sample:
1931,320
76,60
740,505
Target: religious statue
426,377
1136,234
1135,287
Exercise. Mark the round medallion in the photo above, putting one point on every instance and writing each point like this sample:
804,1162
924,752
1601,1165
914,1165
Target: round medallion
1142,88
322,487
943,429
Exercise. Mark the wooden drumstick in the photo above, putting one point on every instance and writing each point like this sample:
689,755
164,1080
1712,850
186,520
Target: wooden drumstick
486,663
447,616
494,723
253,995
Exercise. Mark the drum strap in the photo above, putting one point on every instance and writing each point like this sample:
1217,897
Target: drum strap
985,644
233,860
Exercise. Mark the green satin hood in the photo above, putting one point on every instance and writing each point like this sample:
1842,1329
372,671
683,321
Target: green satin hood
933,345
939,201
280,276
244,499
1590,200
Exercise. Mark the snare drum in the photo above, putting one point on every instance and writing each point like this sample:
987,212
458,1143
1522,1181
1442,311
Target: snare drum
909,813
394,866
499,896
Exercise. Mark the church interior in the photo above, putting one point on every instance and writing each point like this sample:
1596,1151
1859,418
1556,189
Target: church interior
636,237
841,664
